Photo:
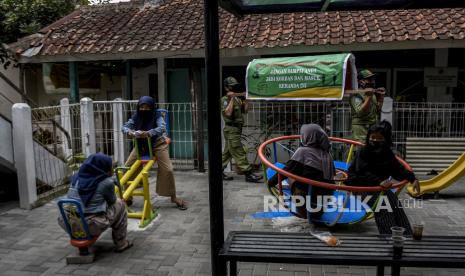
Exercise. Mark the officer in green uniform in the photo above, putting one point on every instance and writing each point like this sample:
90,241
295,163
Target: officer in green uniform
232,108
366,106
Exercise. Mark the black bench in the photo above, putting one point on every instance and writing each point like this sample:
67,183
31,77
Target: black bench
358,250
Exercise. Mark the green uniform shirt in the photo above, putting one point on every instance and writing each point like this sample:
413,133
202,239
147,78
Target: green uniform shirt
360,117
233,148
361,120
236,117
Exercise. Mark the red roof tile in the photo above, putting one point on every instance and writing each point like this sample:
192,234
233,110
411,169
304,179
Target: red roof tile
177,25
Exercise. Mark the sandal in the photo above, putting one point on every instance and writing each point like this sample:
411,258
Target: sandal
181,206
124,248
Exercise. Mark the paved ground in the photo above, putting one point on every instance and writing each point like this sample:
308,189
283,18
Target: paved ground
177,243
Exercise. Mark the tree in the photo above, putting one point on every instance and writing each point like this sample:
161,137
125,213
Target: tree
19,18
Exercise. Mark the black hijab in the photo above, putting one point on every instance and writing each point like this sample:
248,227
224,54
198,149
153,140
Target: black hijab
94,169
374,162
314,150
374,152
145,120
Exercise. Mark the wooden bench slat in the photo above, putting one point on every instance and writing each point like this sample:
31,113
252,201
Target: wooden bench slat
310,237
309,249
349,242
291,251
372,250
345,249
345,240
387,253
433,255
345,243
352,236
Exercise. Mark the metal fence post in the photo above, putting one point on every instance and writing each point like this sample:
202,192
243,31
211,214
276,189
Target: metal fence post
215,179
24,154
87,126
118,137
65,118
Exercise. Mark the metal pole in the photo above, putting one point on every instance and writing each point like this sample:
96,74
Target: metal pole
215,179
128,92
198,97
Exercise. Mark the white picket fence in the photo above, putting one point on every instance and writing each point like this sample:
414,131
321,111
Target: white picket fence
65,134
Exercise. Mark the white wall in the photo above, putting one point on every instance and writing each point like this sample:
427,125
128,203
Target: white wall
35,89
111,87
140,80
6,144
440,94
8,96
237,61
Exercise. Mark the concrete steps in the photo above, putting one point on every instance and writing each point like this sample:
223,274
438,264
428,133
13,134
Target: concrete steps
427,154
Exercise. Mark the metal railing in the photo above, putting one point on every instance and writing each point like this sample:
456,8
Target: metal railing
179,118
267,119
427,120
264,120
410,119
55,147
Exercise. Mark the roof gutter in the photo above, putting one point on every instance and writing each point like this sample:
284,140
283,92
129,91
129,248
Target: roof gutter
198,53
249,51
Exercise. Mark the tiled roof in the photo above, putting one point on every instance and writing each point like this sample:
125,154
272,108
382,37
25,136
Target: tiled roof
177,25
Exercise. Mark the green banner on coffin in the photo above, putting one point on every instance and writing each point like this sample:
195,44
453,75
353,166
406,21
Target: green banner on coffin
323,77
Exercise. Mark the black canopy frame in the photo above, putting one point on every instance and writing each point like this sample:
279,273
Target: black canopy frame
212,64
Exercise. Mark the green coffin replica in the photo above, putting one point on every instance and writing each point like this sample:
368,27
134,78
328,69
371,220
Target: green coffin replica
323,77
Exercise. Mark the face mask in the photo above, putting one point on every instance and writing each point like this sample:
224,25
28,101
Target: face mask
145,112
370,85
376,145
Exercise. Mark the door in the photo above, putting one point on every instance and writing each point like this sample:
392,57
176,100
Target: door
180,115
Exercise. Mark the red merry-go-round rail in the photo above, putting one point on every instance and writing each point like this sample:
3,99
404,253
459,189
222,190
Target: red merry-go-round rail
324,184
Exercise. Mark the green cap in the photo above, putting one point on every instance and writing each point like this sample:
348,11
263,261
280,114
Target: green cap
230,81
365,74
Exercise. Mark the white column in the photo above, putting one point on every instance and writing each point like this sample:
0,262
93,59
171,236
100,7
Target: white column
24,154
161,80
118,137
386,110
87,126
65,118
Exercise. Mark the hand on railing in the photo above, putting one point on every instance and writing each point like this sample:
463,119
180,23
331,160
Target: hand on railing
142,134
138,134
386,184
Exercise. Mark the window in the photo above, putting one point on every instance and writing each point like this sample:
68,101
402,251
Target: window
408,85
458,93
383,79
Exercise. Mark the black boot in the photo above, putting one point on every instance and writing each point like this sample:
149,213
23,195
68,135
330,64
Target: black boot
250,177
226,177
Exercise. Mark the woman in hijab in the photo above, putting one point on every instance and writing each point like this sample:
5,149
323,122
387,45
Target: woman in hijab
375,164
311,160
95,189
147,122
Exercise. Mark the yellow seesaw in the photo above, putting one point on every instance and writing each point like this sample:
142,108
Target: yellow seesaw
132,184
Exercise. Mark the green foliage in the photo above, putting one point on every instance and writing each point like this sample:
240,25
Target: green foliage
22,17
19,18
75,161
